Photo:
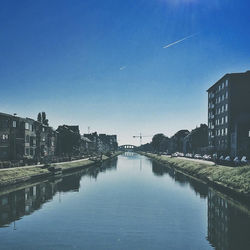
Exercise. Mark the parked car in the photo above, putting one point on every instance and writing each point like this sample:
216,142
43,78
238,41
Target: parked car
197,156
175,154
215,157
207,157
244,160
204,157
228,161
236,161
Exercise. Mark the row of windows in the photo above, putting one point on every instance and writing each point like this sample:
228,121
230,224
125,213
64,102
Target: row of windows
222,142
29,126
221,132
210,105
221,109
221,98
220,87
29,151
221,120
31,140
218,132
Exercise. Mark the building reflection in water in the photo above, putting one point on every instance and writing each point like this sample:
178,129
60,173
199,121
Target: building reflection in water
15,205
228,223
228,220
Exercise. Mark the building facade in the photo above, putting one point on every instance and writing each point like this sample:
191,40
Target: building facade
25,139
229,115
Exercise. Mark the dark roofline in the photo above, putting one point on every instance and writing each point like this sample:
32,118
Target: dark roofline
14,116
219,81
228,75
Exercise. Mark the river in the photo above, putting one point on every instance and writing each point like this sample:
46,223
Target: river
129,202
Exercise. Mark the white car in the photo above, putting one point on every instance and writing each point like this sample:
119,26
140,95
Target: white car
197,156
243,160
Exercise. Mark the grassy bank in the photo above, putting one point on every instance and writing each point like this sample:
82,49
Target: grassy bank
18,175
233,179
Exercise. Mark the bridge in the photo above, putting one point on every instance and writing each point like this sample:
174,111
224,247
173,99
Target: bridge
127,147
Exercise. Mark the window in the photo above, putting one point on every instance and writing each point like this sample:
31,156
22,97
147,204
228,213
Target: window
226,119
219,99
32,141
4,124
226,83
226,95
226,107
222,120
27,125
222,109
27,151
5,137
225,131
222,131
14,124
222,98
31,151
27,138
223,85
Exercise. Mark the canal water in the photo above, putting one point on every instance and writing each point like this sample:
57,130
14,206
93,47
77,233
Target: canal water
129,202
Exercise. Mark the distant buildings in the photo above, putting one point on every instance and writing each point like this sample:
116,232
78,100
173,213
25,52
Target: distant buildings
229,115
103,143
24,139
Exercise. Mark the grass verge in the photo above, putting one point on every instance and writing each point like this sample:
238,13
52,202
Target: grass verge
234,179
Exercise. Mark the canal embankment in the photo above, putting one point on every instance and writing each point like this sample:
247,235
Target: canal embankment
17,175
231,180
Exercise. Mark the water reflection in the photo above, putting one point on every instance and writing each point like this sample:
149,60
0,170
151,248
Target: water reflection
228,223
15,205
198,187
228,220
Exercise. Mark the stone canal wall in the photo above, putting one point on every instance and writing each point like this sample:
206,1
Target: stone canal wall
232,180
19,175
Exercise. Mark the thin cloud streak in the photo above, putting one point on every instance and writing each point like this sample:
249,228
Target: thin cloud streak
123,67
183,39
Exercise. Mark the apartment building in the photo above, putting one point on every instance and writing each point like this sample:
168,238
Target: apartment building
229,115
25,138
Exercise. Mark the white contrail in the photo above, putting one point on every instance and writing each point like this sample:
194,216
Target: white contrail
123,67
171,44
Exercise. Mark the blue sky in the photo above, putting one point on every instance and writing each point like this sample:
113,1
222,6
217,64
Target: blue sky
102,63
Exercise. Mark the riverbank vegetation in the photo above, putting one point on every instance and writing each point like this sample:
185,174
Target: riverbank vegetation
22,174
236,179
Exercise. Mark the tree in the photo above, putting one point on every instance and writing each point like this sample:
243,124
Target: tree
39,117
156,141
44,120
